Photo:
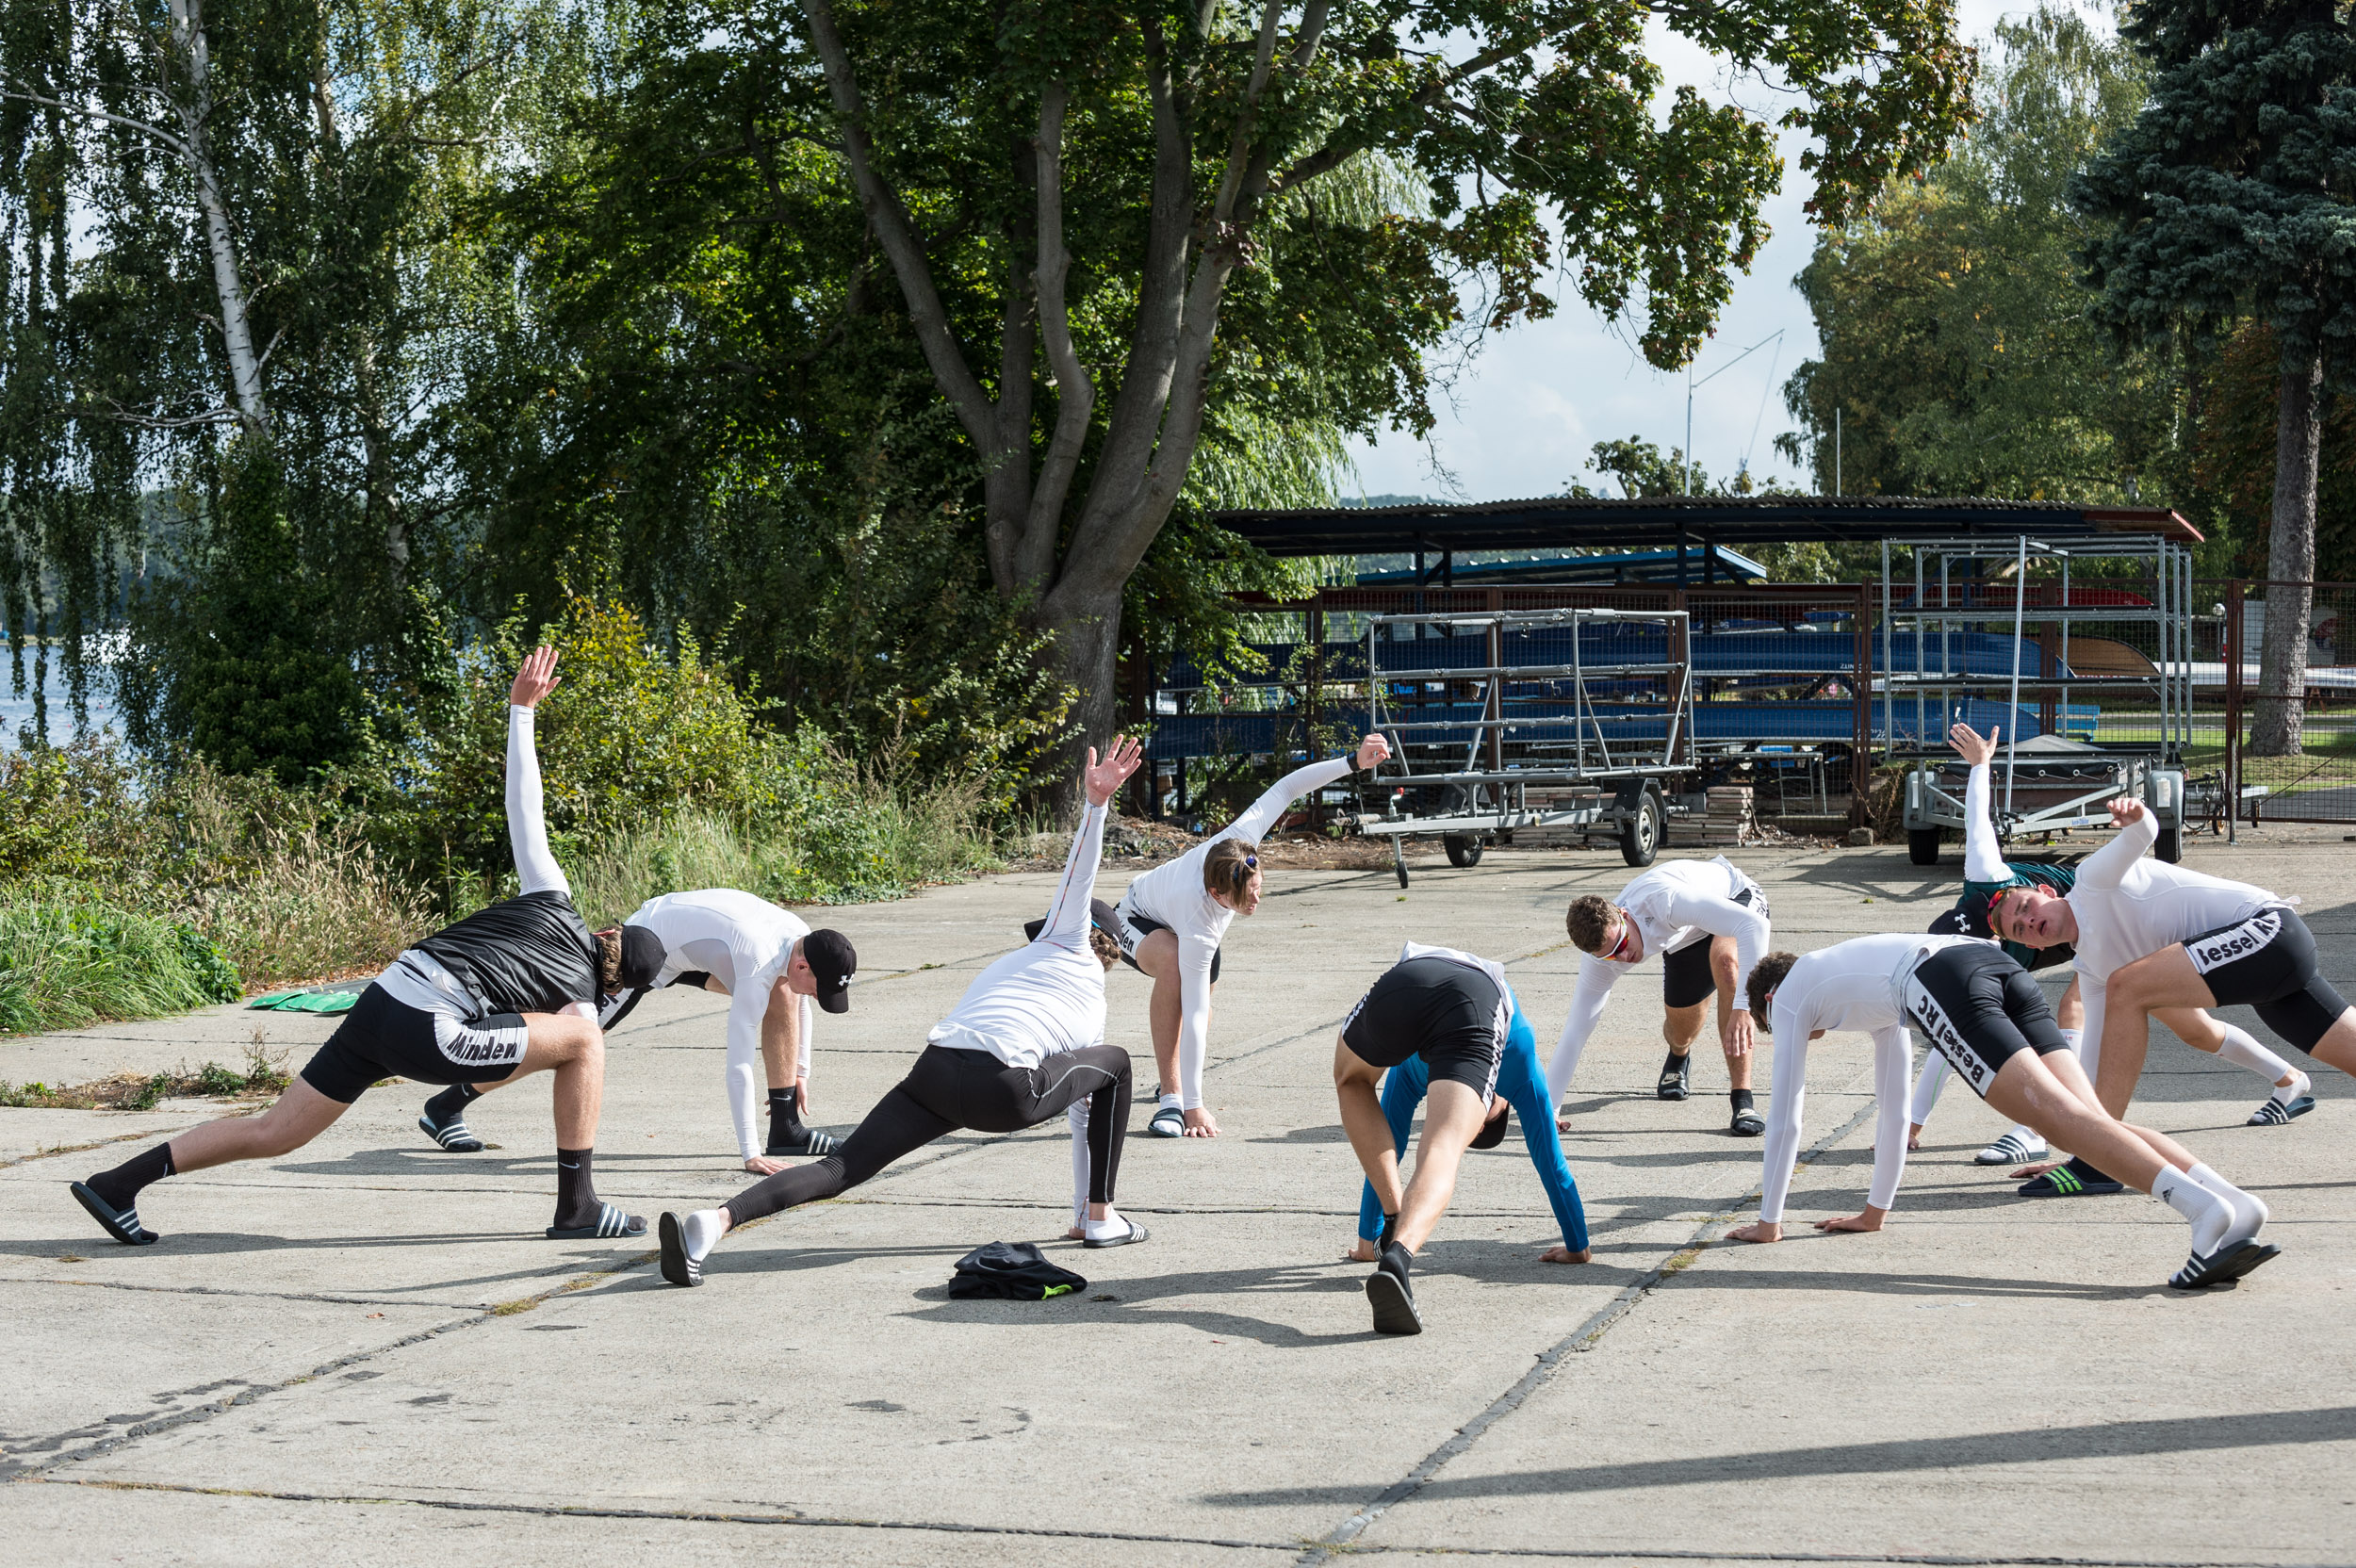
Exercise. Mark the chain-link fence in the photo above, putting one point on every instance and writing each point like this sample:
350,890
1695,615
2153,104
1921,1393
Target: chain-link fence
2282,731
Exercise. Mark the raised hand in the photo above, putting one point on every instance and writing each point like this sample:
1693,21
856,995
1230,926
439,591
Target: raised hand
2125,810
1968,745
1101,780
536,679
1372,751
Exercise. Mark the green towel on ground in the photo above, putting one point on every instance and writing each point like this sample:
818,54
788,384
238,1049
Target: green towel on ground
328,1000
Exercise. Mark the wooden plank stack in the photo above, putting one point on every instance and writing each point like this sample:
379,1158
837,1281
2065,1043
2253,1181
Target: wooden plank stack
1728,822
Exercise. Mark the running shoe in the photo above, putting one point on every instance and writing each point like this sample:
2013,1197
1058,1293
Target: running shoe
2015,1147
2273,1113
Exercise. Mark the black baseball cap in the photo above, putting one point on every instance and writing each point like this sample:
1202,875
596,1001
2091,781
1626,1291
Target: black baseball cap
830,958
643,957
1969,918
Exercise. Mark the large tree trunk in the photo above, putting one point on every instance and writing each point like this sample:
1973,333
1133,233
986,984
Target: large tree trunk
2274,729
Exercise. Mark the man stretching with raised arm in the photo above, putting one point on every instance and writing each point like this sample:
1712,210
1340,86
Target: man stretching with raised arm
509,990
1173,918
1989,880
1709,923
771,965
1026,1043
1982,1012
1453,1010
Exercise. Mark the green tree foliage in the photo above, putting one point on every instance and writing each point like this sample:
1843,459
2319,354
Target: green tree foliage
1115,230
2232,195
1957,342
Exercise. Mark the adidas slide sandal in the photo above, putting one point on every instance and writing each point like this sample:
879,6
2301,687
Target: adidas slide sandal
813,1143
2062,1182
2275,1114
453,1135
678,1266
121,1224
612,1225
2012,1148
2226,1262
1137,1232
1167,1122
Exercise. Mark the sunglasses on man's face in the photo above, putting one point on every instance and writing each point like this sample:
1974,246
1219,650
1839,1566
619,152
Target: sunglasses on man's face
1626,928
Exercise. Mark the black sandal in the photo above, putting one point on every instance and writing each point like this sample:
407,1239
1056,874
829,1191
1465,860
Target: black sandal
1677,1081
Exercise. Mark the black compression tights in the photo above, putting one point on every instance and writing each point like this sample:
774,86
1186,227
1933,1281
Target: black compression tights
949,1090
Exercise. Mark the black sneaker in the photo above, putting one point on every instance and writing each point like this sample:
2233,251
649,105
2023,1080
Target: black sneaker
1676,1079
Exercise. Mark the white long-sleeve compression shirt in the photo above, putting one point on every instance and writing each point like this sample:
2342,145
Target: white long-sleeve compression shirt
1674,905
1174,895
2129,908
1851,985
1047,996
527,828
1983,857
744,942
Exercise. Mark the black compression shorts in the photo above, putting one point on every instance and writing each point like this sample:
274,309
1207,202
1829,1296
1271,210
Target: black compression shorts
1452,1016
2268,962
1685,977
1979,1008
1135,928
382,1038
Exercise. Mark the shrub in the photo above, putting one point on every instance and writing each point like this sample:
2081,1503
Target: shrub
66,964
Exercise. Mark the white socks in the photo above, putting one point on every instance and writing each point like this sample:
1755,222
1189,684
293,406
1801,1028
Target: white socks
2077,1038
700,1232
2209,1213
1111,1225
1171,1102
2242,1049
2249,1213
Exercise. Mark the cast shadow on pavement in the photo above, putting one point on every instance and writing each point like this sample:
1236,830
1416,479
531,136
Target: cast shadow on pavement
2110,1440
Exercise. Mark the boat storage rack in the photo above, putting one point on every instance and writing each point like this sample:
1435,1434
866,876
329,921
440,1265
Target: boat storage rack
1965,645
1505,720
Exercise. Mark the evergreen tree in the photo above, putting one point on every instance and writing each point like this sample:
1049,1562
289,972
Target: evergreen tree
2229,197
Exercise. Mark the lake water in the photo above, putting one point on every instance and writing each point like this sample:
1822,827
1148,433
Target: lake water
16,709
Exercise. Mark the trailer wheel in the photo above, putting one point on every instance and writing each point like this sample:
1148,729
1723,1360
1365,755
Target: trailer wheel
2171,846
1640,834
1398,857
1463,849
1922,846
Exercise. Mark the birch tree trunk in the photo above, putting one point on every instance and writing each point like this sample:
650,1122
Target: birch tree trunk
2275,727
194,107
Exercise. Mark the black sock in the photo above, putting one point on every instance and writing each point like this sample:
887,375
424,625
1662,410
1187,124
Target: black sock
1676,1063
1741,1099
122,1186
450,1104
2086,1172
785,1114
1390,1227
1396,1261
576,1191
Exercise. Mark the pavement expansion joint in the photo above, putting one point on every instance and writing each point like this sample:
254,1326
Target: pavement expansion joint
313,1297
96,1143
773,1517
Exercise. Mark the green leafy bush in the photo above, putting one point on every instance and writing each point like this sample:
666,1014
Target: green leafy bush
66,964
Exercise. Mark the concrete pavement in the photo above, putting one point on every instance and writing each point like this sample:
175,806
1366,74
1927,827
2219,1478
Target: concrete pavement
366,1349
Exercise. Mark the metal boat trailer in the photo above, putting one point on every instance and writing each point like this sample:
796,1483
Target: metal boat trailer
1532,680
2072,789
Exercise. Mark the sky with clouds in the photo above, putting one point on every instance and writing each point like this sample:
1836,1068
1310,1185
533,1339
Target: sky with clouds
1521,419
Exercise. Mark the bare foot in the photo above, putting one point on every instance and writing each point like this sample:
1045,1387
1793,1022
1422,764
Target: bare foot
1564,1254
1362,1251
1760,1231
2029,1173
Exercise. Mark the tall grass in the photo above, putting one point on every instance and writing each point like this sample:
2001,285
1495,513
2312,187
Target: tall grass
64,965
309,904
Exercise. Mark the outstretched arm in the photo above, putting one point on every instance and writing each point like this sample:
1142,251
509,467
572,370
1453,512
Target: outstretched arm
1983,857
1596,980
1068,917
2138,830
1262,814
527,829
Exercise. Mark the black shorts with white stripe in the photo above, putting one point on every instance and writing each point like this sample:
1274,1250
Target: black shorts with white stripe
382,1038
2268,961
